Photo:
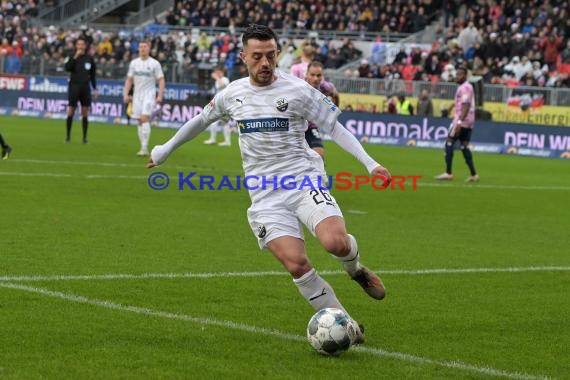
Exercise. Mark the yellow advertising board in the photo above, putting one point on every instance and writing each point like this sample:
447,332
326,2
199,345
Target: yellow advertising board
544,115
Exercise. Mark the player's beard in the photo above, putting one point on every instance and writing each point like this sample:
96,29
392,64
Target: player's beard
264,76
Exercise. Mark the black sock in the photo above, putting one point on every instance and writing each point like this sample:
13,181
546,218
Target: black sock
68,123
448,156
2,142
85,124
468,159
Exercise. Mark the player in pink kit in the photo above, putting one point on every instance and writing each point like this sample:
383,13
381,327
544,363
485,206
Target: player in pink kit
461,127
314,77
299,70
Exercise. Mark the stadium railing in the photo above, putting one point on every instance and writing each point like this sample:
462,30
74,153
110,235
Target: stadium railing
199,73
445,90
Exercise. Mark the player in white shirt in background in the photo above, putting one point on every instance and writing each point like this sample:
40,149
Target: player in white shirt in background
221,82
144,72
272,109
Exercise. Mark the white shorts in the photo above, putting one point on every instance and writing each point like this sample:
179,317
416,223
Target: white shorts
143,104
285,211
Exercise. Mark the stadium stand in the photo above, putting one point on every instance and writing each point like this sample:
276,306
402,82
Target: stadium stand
516,43
513,43
350,15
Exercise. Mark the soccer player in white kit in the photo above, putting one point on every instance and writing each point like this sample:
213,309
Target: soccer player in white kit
144,72
272,109
221,82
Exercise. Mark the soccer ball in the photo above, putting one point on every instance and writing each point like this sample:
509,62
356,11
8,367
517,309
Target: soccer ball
330,331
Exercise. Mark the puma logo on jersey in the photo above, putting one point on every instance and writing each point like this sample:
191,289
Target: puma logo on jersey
240,101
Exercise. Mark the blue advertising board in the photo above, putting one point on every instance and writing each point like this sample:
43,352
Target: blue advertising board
431,132
47,97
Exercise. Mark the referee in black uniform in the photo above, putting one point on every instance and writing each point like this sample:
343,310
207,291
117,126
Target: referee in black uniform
82,69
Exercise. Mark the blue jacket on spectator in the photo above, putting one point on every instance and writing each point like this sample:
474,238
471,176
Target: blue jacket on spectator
13,64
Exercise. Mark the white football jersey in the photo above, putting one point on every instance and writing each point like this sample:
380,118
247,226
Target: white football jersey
145,74
224,81
272,121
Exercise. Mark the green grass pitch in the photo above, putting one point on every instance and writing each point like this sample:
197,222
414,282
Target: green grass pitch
103,278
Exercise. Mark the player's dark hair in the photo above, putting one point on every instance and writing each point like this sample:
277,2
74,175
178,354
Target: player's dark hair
315,64
258,32
462,68
81,38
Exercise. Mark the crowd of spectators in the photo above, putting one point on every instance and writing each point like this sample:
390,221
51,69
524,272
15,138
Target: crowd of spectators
390,16
510,42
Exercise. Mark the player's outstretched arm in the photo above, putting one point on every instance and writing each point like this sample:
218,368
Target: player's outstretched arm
187,132
349,143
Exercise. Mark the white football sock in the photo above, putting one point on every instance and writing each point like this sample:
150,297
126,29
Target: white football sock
213,131
227,133
140,133
317,291
145,135
351,262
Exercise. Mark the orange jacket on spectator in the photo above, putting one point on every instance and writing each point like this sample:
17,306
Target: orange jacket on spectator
5,48
16,48
550,46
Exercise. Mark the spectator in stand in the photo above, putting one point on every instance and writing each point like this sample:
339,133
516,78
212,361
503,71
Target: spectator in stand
448,74
551,44
13,63
418,20
5,48
401,57
432,66
349,52
364,70
518,46
425,105
420,74
525,67
378,52
404,106
565,55
287,58
493,48
105,47
468,37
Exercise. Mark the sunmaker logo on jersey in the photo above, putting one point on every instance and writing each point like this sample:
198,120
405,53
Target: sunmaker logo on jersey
274,124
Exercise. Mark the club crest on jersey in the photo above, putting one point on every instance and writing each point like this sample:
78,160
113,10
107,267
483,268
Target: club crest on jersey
281,104
87,65
261,231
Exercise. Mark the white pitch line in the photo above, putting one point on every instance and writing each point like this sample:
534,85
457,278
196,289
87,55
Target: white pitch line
105,164
82,163
484,186
190,168
357,212
126,276
88,176
269,332
105,176
20,174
